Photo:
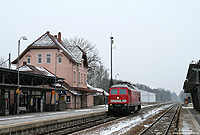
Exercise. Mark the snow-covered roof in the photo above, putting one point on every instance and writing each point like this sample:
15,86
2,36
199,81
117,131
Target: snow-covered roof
64,48
46,72
25,68
89,86
34,69
71,91
125,86
103,91
45,40
74,53
100,90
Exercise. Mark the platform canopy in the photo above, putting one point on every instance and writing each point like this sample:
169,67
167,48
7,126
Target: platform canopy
28,81
192,78
189,86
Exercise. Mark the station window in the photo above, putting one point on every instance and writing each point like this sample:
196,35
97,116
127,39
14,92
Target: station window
28,59
39,58
59,59
122,91
74,77
85,78
68,99
113,91
81,77
48,58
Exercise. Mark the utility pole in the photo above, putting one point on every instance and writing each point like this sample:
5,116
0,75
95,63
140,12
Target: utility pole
111,41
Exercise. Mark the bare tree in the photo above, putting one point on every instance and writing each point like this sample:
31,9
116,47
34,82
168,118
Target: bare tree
87,46
3,62
97,73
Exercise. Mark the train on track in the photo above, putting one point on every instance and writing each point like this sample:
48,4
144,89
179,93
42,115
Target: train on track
123,98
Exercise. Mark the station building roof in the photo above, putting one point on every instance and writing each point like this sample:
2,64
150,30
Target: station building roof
191,81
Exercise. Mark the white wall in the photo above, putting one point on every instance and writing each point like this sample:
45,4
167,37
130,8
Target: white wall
147,96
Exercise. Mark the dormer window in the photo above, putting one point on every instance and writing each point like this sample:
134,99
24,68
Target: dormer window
28,59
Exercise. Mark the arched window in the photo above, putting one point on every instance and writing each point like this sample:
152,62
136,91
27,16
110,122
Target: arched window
59,59
28,59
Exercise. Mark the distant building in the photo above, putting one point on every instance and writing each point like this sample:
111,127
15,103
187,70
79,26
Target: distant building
100,97
147,96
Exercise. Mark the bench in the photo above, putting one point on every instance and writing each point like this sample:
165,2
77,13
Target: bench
22,109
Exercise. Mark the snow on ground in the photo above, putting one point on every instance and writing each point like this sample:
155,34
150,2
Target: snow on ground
17,117
188,126
125,125
101,107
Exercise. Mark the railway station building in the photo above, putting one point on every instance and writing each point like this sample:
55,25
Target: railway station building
49,54
191,84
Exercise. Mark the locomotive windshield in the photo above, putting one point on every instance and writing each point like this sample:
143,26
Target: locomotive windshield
122,91
113,91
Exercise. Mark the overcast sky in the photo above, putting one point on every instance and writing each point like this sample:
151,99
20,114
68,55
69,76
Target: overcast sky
155,39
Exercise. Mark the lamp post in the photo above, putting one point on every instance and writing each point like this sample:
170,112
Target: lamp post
55,82
111,41
78,83
55,78
18,80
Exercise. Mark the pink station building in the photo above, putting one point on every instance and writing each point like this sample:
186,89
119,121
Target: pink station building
48,53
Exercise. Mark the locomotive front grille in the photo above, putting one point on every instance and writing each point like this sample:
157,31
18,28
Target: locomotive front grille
123,100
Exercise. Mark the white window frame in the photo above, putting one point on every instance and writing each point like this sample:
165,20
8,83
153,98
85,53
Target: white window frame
28,59
59,59
48,56
85,80
81,77
74,76
39,58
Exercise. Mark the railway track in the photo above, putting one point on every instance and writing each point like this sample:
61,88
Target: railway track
68,125
163,124
81,125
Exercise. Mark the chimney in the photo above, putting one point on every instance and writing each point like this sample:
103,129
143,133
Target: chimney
59,37
24,63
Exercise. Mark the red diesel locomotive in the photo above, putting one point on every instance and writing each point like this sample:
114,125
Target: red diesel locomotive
123,98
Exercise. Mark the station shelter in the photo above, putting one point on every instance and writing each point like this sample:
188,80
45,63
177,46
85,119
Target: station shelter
191,84
32,91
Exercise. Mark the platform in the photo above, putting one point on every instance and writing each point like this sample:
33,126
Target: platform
189,121
12,120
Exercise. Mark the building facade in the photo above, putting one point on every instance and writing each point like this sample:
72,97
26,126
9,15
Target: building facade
49,52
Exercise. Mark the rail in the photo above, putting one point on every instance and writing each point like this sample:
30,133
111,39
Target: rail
149,129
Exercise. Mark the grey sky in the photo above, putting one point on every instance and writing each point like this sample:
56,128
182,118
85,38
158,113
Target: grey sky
155,39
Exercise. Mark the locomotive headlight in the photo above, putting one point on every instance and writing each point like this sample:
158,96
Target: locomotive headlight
117,97
124,104
110,104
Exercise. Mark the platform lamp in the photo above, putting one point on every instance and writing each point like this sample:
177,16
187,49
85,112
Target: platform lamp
18,80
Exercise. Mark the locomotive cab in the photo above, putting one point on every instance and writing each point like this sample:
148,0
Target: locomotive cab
118,100
123,99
